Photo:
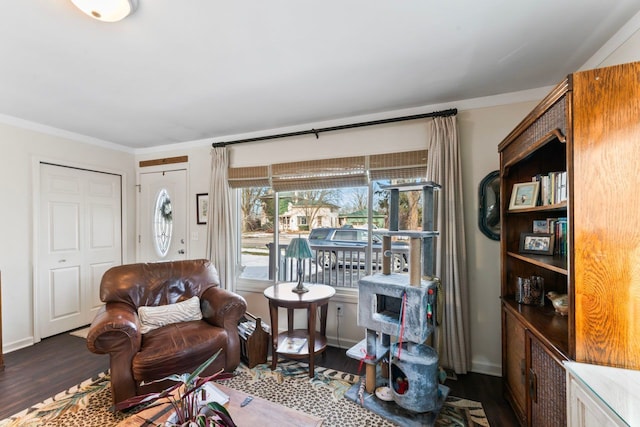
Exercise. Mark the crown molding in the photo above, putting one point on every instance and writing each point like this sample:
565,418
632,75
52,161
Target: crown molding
61,133
618,39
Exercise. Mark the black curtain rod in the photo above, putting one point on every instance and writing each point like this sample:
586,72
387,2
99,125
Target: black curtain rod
444,113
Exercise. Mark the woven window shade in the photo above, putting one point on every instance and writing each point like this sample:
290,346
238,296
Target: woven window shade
317,174
331,173
254,176
404,165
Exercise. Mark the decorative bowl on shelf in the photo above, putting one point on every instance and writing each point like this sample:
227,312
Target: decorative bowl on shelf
560,302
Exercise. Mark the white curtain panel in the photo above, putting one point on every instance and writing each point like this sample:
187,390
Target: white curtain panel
221,234
444,168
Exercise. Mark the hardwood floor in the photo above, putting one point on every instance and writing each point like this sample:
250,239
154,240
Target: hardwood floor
42,370
35,373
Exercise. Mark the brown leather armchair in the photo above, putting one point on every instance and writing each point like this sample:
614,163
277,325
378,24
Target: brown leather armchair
172,349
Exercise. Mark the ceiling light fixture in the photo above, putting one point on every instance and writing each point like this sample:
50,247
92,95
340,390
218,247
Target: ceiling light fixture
107,10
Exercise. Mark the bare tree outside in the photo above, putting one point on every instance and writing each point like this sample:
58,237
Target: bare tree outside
311,201
358,199
251,206
410,204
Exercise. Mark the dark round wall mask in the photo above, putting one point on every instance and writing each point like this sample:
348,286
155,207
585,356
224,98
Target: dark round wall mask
489,209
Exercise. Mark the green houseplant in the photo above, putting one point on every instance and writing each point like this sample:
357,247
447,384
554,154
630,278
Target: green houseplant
184,397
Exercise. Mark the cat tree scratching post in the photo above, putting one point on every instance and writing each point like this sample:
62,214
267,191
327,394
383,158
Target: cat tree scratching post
403,306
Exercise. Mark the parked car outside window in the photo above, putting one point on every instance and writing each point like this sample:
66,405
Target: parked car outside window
346,247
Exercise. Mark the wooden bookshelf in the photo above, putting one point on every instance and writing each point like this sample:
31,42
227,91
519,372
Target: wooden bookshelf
587,127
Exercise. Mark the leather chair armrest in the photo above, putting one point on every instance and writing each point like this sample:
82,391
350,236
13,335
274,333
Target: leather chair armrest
224,309
115,328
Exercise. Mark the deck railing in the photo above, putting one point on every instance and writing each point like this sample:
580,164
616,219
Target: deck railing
338,266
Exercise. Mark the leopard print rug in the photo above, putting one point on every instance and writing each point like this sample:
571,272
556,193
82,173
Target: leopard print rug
88,404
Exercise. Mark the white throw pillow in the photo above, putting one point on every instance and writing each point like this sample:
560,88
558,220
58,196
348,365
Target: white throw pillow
154,317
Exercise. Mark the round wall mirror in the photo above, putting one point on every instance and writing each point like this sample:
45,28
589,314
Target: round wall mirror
489,210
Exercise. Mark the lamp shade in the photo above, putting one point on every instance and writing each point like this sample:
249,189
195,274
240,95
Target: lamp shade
107,10
298,248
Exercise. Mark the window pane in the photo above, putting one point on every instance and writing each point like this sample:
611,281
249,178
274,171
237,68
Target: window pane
256,208
335,221
320,212
162,223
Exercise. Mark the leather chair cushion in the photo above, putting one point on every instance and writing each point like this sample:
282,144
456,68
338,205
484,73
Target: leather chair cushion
179,348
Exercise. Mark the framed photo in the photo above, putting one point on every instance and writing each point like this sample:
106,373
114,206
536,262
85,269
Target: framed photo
524,195
202,207
536,243
540,226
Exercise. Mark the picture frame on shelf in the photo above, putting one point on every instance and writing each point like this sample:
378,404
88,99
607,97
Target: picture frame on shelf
524,195
540,226
202,207
536,243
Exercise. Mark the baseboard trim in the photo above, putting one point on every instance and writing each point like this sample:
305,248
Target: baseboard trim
344,343
486,368
17,345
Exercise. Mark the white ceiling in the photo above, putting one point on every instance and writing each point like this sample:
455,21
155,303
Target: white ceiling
186,70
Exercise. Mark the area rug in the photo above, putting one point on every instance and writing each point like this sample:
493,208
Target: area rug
81,333
88,404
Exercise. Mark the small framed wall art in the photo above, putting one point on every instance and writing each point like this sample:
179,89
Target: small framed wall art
524,195
202,207
536,243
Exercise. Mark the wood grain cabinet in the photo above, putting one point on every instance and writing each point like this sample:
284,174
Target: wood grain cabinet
545,385
514,363
587,127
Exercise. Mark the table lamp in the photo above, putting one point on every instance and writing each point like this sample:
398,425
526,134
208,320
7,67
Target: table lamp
299,248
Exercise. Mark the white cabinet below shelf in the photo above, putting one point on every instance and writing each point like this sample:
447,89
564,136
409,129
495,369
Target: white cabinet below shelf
602,396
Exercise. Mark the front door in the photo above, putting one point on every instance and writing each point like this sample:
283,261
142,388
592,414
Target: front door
163,216
79,239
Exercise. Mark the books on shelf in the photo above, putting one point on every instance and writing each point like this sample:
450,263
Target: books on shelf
557,227
291,345
560,232
553,188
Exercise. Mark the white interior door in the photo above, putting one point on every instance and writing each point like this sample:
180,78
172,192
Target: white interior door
162,216
80,223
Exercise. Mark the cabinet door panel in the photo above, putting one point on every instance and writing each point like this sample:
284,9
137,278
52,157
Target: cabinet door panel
514,360
606,202
547,387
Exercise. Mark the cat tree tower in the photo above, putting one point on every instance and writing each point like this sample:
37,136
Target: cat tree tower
402,306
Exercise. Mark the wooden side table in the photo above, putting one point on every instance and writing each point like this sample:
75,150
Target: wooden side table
280,295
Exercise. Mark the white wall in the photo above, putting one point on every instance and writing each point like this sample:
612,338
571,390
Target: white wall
481,130
18,148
